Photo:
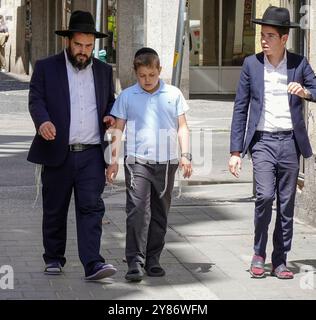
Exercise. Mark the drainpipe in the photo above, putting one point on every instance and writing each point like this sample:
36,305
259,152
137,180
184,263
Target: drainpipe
180,40
178,55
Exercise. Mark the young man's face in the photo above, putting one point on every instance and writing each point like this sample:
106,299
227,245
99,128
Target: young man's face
148,78
80,49
271,42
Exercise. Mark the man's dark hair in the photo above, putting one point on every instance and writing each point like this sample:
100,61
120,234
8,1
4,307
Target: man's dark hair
282,31
147,57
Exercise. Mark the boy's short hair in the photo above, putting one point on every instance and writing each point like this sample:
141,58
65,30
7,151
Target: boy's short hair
147,57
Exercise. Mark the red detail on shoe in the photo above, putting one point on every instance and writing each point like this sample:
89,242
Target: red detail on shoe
257,267
257,271
285,274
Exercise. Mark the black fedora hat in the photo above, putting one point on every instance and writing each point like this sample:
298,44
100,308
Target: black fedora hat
277,17
83,22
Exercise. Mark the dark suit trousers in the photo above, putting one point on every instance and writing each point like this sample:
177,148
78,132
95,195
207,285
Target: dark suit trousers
84,173
276,166
146,222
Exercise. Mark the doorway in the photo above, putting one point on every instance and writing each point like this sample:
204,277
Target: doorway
221,36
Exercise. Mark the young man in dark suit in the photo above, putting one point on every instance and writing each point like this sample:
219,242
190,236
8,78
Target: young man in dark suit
268,123
71,96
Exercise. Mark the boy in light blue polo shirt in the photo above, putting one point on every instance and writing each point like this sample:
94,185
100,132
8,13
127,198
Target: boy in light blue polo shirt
154,115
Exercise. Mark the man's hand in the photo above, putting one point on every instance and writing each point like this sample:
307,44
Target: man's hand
186,167
109,121
47,130
297,89
111,172
235,164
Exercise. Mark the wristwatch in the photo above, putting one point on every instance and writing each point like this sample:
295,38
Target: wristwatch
308,95
187,155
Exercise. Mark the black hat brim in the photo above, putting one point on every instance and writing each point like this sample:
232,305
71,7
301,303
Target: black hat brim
67,33
275,23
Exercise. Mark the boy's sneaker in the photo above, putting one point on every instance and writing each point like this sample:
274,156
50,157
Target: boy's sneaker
135,272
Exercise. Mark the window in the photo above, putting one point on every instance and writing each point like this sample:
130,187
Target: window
238,32
221,32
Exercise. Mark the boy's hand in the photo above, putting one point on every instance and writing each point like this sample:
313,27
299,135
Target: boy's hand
297,89
109,121
235,164
185,166
47,130
111,172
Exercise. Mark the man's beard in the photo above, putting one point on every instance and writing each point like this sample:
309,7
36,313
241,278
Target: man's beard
78,64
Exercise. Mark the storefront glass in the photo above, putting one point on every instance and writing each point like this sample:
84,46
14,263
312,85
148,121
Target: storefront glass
204,32
221,24
238,32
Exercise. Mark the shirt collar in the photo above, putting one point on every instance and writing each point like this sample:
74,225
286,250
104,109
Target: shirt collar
68,63
283,61
162,88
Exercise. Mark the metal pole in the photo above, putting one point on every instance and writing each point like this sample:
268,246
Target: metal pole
98,28
180,40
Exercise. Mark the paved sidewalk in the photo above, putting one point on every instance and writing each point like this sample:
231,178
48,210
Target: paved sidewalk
207,253
208,245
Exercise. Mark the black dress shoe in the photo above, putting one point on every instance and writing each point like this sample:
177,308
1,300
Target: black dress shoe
155,271
135,272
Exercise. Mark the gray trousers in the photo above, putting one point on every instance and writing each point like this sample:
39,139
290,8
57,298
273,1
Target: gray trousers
276,166
148,200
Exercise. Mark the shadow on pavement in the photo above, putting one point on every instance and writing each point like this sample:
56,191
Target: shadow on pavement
16,170
9,82
213,97
298,266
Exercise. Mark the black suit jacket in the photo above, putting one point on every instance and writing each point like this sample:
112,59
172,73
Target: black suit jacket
250,96
49,100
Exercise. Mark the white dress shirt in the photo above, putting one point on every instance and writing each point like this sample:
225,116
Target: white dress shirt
276,115
84,127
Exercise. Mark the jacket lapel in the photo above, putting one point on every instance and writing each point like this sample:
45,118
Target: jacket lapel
290,72
97,83
63,77
260,77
